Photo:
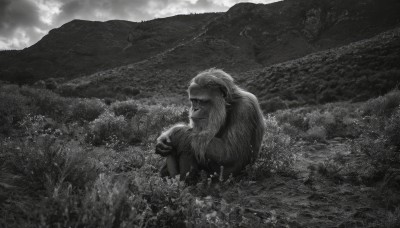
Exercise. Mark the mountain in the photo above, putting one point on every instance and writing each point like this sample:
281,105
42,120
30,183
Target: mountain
171,50
293,28
83,47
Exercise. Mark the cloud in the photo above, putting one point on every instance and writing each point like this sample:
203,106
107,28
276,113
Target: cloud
19,23
24,22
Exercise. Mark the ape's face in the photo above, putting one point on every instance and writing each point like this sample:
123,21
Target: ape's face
208,108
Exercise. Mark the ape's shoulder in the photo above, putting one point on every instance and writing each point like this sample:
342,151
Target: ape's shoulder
247,101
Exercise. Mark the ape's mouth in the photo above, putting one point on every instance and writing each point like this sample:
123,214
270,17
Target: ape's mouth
197,118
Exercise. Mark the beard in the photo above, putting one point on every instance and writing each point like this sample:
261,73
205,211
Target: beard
205,130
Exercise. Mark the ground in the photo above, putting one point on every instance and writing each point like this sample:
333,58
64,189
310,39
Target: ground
80,162
310,199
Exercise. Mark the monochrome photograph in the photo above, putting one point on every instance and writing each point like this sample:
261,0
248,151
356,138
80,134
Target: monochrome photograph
199,113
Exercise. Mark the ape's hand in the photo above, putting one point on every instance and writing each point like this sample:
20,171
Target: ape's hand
163,146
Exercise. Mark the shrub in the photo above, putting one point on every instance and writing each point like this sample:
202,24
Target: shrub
273,104
131,200
51,84
128,109
347,123
152,119
68,90
316,118
383,105
35,125
316,133
293,117
380,142
86,109
328,95
42,165
277,154
392,129
108,128
321,124
13,108
49,103
391,219
92,90
129,90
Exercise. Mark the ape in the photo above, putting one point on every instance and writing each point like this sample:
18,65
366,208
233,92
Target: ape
226,129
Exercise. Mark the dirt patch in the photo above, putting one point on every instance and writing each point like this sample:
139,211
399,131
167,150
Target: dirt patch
308,199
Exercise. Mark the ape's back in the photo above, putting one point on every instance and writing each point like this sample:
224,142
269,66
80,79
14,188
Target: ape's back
243,131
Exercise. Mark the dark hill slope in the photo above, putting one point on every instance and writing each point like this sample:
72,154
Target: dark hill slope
290,29
83,47
251,36
355,72
246,37
76,48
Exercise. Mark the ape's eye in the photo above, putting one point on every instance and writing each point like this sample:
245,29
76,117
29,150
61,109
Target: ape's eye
202,102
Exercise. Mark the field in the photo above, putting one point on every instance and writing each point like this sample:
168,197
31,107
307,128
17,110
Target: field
80,162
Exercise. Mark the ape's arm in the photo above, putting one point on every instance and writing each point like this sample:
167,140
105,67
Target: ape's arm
170,138
174,144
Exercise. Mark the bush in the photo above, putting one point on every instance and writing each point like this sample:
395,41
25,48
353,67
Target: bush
392,129
49,103
295,118
277,154
383,105
51,84
316,133
316,118
273,104
328,95
128,109
68,90
129,90
380,142
86,109
108,128
13,108
321,124
43,165
150,120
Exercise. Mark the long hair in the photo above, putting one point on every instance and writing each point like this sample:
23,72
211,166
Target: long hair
203,133
245,129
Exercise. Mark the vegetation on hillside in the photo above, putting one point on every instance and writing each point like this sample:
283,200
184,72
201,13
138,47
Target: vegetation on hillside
355,72
246,37
73,162
80,47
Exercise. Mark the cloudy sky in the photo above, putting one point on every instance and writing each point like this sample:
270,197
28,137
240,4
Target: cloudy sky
24,22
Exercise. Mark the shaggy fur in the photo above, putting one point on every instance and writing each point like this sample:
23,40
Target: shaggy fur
202,135
233,134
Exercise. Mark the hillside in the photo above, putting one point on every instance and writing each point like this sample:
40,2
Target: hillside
248,36
83,47
290,29
355,72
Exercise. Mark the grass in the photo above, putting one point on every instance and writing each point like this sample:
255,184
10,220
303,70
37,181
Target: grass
88,164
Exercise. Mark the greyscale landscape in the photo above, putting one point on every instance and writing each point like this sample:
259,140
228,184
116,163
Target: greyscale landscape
81,111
